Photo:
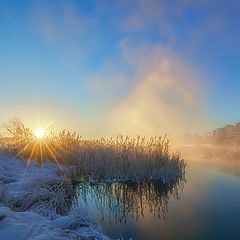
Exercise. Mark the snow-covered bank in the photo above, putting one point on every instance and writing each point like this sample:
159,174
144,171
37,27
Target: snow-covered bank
34,201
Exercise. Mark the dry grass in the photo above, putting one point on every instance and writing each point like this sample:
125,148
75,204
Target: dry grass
43,198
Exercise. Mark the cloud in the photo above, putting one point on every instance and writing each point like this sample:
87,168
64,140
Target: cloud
56,21
142,14
63,27
182,24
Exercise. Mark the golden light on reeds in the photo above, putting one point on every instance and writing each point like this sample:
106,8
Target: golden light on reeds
138,158
33,144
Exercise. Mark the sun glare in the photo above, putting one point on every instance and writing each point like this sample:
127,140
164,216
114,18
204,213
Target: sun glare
39,133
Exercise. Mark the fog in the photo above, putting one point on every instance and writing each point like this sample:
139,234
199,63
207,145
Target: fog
165,97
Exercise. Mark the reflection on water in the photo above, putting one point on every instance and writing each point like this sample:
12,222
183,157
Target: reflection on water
208,208
120,201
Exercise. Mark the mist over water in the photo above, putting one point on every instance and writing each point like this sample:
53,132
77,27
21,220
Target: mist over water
163,96
166,95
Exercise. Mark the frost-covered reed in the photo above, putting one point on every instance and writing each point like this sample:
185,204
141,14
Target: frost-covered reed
106,159
129,159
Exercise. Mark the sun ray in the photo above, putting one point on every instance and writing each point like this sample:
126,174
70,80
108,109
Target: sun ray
49,125
53,156
24,149
18,141
62,149
28,164
33,150
24,174
41,154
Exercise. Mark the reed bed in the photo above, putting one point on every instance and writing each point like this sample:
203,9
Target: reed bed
106,159
129,159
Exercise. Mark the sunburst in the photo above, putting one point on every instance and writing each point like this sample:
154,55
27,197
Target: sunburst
40,145
39,133
37,145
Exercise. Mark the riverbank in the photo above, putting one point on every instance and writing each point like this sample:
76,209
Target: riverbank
35,202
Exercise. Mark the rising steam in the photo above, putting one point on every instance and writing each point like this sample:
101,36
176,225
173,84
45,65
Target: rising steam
164,98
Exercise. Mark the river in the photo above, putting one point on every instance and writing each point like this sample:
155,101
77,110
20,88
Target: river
206,205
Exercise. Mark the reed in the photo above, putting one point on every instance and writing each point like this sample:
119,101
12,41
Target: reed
107,159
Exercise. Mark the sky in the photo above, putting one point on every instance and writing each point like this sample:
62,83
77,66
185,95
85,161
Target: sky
125,66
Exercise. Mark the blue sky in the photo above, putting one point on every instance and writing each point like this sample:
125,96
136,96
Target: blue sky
87,63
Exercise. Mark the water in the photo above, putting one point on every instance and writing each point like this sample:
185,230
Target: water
205,206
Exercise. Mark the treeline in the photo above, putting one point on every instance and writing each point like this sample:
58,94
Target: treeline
228,135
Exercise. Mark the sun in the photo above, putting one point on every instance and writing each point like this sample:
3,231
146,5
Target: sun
39,133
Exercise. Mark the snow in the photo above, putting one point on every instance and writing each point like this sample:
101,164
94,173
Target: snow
35,202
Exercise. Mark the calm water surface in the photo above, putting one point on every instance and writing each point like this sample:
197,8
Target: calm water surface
205,206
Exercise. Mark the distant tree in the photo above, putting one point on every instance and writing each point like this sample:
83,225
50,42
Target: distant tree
227,135
16,129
